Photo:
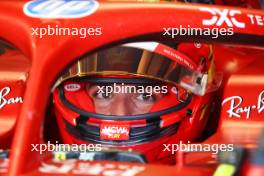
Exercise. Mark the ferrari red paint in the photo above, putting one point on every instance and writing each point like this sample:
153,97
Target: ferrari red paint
28,74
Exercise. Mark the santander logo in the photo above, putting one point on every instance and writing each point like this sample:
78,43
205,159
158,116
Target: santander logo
114,132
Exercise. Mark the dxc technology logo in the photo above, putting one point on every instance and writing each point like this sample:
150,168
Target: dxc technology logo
220,17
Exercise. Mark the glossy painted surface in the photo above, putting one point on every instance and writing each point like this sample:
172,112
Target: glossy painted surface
242,68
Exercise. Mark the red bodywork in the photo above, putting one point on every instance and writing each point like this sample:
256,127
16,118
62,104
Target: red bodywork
242,66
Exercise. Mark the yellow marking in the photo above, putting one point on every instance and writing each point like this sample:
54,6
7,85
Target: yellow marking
60,156
225,170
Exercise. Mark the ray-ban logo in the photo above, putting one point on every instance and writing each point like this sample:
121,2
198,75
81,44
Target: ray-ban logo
237,108
5,100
